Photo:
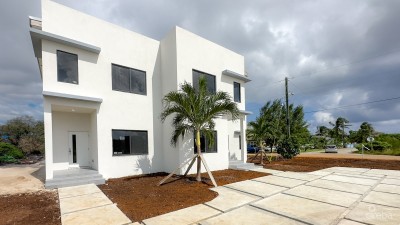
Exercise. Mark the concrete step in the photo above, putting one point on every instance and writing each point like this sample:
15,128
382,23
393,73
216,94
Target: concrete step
71,183
73,177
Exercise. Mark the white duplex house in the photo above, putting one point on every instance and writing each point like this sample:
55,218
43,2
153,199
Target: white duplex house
102,95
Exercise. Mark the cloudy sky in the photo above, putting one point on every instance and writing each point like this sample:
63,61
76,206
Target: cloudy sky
342,57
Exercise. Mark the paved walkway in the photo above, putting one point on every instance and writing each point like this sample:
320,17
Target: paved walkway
86,204
337,195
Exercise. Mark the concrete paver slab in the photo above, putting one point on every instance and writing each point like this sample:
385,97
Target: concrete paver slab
270,171
391,181
184,216
349,222
340,186
375,214
306,210
359,176
77,190
299,176
324,195
394,189
353,180
395,173
77,203
360,170
249,215
104,215
383,199
320,173
228,199
280,181
393,177
256,188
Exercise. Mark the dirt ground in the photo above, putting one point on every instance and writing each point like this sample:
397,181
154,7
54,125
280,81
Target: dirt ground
23,199
21,178
140,198
309,164
41,207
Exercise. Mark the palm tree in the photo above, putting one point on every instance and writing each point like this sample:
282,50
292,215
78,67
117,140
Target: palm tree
194,112
259,130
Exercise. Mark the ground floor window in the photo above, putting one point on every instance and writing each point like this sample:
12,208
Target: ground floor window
205,144
130,142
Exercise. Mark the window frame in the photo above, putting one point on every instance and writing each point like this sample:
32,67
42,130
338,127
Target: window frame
204,74
130,144
234,92
58,67
206,147
130,80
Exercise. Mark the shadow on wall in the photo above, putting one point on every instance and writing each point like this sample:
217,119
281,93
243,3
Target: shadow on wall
233,156
144,163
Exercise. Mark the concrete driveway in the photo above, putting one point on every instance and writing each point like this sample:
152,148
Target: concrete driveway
337,195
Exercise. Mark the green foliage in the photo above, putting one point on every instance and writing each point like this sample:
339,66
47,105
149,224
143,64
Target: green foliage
288,148
392,139
7,159
272,120
376,146
196,110
9,150
26,133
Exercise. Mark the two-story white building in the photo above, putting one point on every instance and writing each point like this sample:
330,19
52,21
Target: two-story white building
102,94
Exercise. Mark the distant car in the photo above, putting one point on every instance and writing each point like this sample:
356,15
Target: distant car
331,149
252,149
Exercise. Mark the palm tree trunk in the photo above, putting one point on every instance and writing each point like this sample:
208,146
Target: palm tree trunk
198,144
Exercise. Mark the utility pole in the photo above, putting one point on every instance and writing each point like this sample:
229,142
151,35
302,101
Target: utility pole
287,107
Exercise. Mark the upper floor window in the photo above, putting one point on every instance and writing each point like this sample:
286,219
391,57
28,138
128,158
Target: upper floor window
205,144
129,142
67,67
211,86
236,92
128,80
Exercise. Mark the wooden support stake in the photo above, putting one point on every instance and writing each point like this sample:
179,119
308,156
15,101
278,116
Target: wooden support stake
190,166
173,172
208,171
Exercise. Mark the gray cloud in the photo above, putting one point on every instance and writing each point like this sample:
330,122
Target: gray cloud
335,52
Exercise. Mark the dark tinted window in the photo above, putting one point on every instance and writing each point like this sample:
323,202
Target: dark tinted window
128,80
128,142
236,92
67,67
211,86
204,144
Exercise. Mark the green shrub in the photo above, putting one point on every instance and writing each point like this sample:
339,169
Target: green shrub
7,159
377,145
7,149
288,148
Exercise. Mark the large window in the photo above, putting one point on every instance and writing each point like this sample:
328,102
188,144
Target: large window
211,86
67,67
129,142
205,144
128,80
236,92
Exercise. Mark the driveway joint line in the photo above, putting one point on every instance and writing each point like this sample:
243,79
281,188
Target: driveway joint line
79,210
293,195
356,203
283,215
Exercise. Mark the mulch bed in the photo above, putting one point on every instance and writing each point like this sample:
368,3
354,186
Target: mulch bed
30,208
140,198
308,164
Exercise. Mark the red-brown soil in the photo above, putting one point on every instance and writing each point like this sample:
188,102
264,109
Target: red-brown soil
140,198
309,164
30,208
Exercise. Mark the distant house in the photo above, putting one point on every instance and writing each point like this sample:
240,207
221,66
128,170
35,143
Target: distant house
102,92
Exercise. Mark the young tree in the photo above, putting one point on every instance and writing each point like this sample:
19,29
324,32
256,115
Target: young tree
194,112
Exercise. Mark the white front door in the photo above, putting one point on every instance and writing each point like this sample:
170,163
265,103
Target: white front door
79,149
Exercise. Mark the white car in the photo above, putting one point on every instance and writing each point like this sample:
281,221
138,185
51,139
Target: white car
331,149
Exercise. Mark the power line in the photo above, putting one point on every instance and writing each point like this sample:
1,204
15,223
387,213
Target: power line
352,105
